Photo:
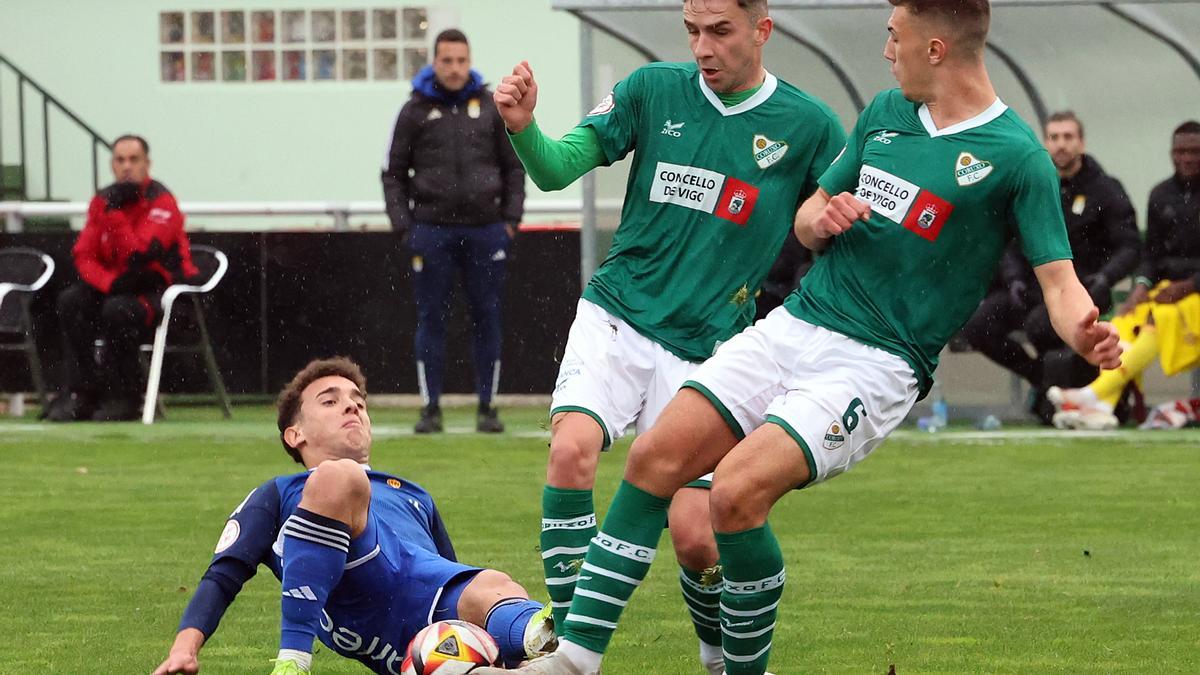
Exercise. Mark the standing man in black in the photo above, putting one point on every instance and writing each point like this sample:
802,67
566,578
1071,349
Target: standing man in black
455,192
1102,229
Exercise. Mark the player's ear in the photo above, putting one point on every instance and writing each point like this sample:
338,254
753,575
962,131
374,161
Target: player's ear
762,30
293,436
937,51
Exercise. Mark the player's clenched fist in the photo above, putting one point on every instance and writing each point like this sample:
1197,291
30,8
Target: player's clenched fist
516,97
839,214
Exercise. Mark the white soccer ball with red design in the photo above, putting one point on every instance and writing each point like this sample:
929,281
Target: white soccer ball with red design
450,648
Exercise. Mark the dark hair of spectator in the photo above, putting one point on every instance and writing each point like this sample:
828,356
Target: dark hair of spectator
1065,116
134,137
1188,127
968,20
289,400
449,35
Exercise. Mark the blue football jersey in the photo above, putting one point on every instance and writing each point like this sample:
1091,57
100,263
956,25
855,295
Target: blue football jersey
395,573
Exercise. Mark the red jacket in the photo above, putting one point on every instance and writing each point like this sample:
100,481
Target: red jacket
110,236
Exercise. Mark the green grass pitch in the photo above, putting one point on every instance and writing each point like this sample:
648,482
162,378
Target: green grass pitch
949,553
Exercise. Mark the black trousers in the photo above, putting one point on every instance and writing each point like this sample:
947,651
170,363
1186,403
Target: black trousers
1055,364
122,321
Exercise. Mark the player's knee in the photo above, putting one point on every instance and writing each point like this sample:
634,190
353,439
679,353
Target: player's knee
572,462
695,546
486,589
337,482
653,462
736,507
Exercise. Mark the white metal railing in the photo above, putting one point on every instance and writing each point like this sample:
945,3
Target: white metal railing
15,213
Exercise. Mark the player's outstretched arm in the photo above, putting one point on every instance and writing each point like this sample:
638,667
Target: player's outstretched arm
184,655
516,97
822,217
550,164
1074,315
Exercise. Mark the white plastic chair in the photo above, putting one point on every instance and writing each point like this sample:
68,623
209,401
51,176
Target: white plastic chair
23,272
212,264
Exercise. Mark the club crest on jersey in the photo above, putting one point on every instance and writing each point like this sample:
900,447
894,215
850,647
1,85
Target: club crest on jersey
834,438
473,108
968,170
605,105
767,151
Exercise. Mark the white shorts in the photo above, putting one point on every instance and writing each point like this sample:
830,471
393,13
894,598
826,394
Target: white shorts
837,397
614,374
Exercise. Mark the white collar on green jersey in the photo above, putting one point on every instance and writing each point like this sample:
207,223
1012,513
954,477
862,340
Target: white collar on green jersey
993,111
764,92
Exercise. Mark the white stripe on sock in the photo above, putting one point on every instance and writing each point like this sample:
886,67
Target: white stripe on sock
563,550
588,567
736,658
583,592
579,618
754,612
752,634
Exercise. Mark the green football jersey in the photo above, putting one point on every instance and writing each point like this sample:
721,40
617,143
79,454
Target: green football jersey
944,204
712,193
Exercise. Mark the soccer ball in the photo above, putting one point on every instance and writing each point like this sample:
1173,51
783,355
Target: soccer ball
450,648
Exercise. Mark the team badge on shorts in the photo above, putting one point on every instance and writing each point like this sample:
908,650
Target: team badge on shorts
834,438
968,170
767,151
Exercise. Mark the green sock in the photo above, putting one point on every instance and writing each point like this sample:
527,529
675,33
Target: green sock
753,566
702,595
568,525
616,563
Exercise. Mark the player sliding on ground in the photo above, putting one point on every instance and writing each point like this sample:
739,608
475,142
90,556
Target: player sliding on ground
911,218
723,154
363,556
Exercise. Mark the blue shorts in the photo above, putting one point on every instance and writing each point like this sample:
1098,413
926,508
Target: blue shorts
390,589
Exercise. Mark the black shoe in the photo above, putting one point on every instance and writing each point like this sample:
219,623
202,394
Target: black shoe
1041,407
430,422
72,407
118,409
488,422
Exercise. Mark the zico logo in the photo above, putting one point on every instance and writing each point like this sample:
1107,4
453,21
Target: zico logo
919,211
624,549
703,190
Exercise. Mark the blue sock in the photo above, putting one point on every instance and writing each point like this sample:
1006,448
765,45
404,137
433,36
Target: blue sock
314,556
506,622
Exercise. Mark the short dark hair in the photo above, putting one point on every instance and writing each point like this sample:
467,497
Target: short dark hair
288,404
969,19
756,9
1064,116
449,35
133,137
1188,127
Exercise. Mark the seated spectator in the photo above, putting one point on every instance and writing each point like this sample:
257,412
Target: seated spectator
1161,317
1104,239
131,248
